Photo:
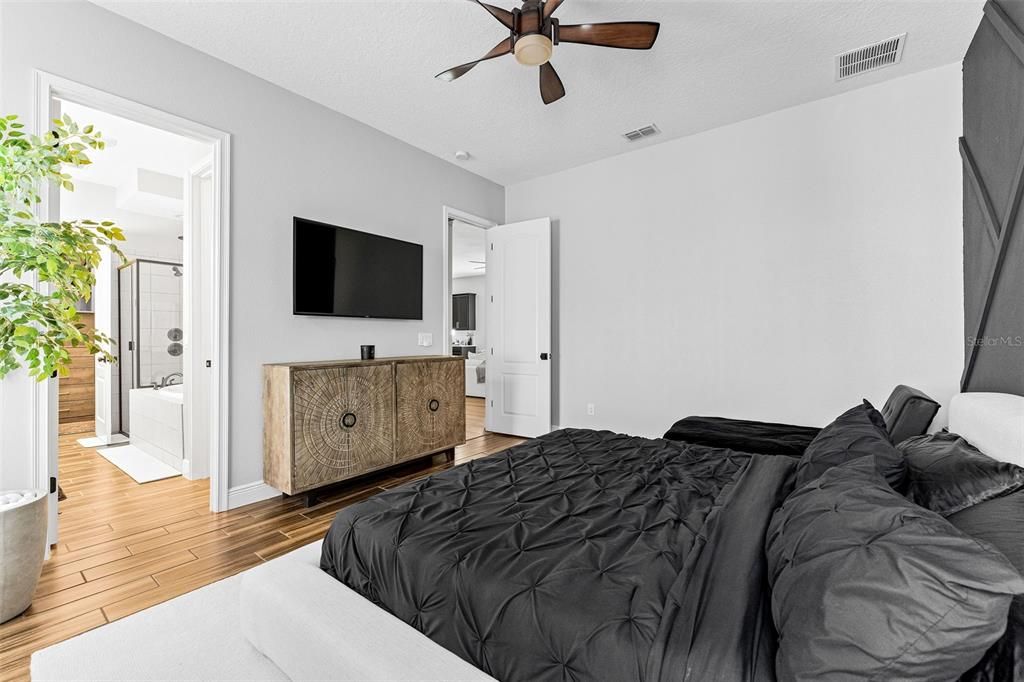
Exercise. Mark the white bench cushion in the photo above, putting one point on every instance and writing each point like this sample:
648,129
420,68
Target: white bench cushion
316,628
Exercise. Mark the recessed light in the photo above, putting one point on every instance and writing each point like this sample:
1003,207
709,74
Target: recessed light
461,156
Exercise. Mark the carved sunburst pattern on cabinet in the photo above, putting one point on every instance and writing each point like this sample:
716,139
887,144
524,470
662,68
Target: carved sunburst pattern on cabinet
431,407
344,421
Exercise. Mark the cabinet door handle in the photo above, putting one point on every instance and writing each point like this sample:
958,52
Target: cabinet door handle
433,405
348,420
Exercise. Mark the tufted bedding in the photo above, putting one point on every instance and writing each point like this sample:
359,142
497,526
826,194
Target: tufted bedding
579,555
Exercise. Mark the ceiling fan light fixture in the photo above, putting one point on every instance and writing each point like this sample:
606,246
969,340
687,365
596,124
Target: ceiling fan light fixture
533,50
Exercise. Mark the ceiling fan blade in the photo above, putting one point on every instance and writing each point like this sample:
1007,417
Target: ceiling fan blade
551,88
628,35
550,6
502,15
502,48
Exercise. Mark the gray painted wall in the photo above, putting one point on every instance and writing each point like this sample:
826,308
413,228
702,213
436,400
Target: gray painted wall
289,156
779,269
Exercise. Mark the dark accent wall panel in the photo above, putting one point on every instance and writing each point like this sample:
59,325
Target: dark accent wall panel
993,153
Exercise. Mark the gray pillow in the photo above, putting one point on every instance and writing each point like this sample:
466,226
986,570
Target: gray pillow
856,433
947,474
868,585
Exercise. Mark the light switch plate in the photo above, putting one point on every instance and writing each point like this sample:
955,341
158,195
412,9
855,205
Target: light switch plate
426,339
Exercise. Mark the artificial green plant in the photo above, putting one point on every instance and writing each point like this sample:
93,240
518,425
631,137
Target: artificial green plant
46,268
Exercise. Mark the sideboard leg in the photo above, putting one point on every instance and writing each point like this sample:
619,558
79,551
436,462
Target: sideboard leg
449,455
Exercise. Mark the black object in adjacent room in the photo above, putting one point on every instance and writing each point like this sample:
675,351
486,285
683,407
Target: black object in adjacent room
347,273
464,311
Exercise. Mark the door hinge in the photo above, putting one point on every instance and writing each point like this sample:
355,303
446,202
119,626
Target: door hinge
131,345
53,484
209,363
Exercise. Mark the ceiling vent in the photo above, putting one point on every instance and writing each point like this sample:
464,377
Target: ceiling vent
870,57
640,133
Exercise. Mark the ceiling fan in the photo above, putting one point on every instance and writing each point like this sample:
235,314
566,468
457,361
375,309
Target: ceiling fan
533,33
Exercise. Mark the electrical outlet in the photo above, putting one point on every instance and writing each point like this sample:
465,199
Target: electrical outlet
425,339
590,409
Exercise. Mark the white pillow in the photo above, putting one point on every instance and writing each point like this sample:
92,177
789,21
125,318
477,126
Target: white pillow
991,422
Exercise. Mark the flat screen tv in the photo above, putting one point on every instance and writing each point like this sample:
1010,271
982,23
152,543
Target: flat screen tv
347,273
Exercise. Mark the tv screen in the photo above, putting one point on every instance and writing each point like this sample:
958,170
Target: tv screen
347,273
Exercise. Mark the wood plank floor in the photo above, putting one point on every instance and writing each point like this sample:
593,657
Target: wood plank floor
124,546
474,417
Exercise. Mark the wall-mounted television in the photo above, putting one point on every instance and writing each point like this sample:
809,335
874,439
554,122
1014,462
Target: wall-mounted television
347,273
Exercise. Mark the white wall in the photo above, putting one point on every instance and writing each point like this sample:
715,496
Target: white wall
289,157
146,236
475,285
778,269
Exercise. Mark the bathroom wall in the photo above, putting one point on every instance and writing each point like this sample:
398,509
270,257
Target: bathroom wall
160,322
146,236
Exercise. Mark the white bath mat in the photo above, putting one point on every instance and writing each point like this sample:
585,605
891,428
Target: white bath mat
97,442
137,464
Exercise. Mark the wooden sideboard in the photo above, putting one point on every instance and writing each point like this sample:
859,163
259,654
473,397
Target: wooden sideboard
325,422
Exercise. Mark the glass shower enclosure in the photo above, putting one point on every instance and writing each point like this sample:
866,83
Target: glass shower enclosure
150,313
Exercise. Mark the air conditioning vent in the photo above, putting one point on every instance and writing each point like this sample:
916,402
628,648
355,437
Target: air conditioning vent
870,57
640,133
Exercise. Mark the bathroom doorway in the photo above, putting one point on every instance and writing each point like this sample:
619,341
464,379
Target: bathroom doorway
138,182
164,180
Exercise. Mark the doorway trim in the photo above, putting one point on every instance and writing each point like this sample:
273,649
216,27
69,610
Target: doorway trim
47,87
451,214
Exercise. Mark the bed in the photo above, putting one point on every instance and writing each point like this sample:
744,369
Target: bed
496,560
594,555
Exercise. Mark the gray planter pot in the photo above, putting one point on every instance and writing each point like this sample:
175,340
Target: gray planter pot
22,548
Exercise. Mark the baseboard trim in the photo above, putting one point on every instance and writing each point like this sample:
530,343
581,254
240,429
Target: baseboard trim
257,491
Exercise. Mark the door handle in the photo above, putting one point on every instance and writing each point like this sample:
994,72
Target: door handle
544,356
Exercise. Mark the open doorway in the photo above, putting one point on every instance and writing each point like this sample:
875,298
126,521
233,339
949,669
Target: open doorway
469,318
139,402
466,306
157,417
513,360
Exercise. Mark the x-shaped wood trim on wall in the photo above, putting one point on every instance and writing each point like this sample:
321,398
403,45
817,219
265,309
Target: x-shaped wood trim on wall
999,229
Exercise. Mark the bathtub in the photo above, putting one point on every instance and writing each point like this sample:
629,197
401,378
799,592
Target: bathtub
158,423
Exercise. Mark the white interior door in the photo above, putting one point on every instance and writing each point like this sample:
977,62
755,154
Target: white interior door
519,328
104,311
199,319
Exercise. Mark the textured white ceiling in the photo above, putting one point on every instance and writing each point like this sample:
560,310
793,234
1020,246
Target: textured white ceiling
715,63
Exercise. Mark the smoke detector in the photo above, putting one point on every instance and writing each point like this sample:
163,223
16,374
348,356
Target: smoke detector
870,57
640,133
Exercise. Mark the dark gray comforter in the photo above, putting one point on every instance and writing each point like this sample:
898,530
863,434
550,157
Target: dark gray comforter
580,555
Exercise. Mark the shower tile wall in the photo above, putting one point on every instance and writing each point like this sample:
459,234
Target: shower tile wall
160,311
